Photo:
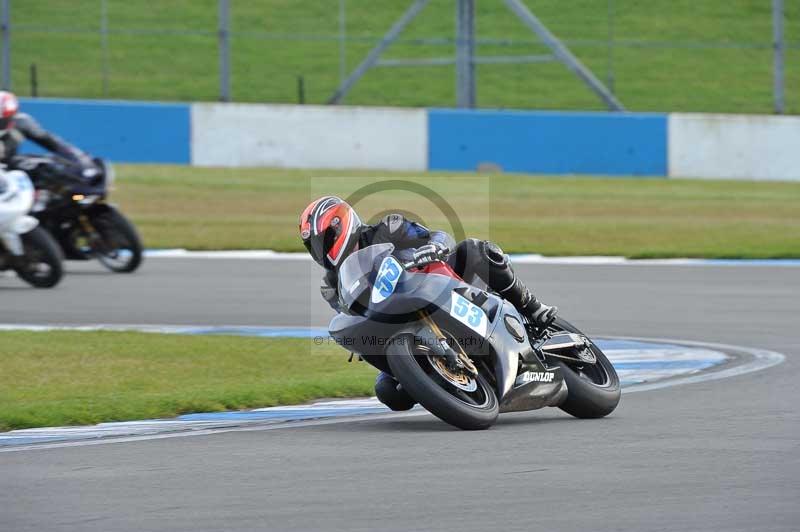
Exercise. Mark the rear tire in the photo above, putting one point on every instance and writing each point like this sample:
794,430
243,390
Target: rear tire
586,398
431,393
42,265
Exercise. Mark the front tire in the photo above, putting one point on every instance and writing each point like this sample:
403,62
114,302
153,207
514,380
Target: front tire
593,390
121,250
433,392
41,266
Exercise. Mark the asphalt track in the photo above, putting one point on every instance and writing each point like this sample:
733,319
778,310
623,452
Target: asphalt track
717,455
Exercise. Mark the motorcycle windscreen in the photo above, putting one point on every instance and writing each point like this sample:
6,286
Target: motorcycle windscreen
357,273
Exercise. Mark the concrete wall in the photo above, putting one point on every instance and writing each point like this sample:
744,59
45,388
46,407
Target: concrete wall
292,136
734,146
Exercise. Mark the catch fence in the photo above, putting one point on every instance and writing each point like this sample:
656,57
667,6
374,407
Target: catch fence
657,55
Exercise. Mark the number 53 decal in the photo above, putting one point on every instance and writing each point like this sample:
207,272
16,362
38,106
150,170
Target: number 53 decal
470,315
385,283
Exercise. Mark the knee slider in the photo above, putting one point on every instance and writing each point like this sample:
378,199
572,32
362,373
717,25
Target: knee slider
493,253
501,276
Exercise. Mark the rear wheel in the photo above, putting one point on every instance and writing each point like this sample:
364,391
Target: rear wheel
119,248
41,265
593,389
462,400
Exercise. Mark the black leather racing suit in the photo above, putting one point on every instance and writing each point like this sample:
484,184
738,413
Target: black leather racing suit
471,259
24,126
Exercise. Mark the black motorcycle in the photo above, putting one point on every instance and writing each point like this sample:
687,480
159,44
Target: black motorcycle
74,208
463,353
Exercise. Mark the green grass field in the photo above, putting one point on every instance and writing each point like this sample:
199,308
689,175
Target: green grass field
668,55
213,208
76,378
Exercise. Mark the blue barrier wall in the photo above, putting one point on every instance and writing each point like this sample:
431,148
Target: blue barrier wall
548,142
119,131
517,141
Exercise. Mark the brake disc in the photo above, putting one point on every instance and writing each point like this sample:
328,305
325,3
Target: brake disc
458,379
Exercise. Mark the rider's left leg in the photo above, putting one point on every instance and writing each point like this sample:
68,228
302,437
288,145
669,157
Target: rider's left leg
487,261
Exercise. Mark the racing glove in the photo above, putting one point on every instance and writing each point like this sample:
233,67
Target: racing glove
88,169
544,316
430,253
90,172
329,291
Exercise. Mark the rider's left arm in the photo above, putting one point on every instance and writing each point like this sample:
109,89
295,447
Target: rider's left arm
443,238
34,132
407,236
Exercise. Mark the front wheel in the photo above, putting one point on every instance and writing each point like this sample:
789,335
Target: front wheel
41,264
593,389
463,401
119,247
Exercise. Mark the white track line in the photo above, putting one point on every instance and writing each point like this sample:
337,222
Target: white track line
416,412
759,359
234,330
251,254
267,254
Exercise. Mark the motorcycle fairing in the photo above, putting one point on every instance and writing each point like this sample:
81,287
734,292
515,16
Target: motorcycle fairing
371,326
15,201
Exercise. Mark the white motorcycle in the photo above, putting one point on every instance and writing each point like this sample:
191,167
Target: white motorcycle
24,246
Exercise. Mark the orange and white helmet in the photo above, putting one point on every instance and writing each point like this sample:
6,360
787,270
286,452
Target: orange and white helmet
330,229
9,105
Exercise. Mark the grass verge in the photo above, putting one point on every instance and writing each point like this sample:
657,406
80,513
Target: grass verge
76,378
255,208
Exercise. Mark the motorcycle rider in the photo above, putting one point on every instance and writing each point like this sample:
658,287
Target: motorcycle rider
16,127
331,230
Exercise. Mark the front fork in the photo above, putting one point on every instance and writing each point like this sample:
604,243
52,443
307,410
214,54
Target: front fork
94,238
456,358
87,226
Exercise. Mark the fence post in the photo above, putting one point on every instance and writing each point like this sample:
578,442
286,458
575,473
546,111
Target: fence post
301,89
104,45
778,50
465,53
224,51
5,23
610,80
342,41
34,81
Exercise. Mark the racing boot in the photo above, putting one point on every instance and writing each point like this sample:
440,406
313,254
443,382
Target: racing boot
505,282
390,393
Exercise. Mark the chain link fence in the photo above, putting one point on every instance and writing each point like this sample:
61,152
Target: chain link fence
653,55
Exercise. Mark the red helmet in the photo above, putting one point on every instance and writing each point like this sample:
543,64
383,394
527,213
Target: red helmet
330,229
9,105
